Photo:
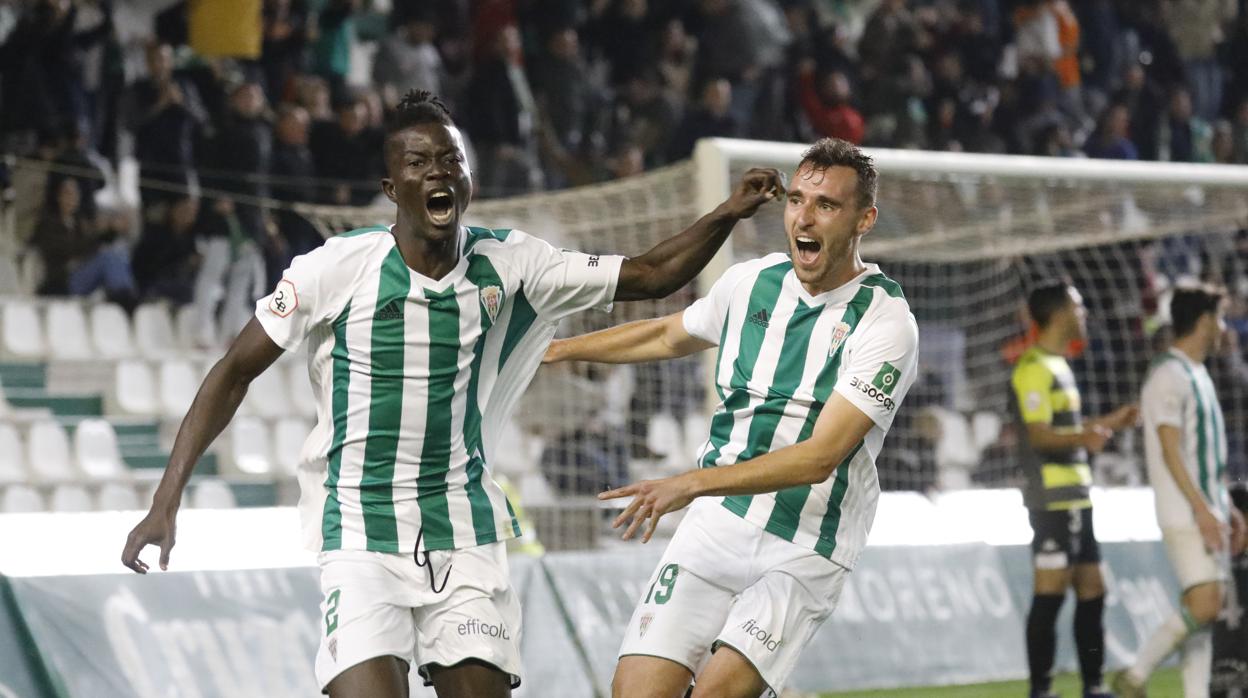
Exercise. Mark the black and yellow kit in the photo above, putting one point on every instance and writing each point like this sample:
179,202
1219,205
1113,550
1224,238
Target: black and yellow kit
1045,392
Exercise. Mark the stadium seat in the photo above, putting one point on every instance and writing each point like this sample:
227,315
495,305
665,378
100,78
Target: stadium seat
95,445
301,396
20,499
250,449
134,388
69,498
192,334
268,396
68,337
12,465
21,331
178,384
110,331
48,453
116,496
153,331
213,493
288,438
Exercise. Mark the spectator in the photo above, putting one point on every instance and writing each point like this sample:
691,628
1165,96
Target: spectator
741,42
343,161
165,259
1111,140
76,261
1222,148
293,181
242,153
79,161
1183,137
677,52
331,52
1055,141
890,37
711,117
827,106
502,120
625,33
1196,27
1239,133
1142,98
646,115
165,115
285,41
407,59
566,97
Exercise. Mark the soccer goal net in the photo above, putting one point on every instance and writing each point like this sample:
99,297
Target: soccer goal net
965,236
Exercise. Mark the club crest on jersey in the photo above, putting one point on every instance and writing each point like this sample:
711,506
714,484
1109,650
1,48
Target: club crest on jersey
839,333
644,624
492,300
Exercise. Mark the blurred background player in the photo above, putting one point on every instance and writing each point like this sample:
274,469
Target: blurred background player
816,352
1185,447
1055,456
399,317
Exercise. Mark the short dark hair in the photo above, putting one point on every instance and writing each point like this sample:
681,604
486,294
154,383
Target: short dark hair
418,107
834,152
1046,298
1190,303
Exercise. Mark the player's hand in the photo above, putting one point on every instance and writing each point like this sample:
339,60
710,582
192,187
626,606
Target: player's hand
1211,530
1124,417
1095,436
1239,532
757,187
651,500
157,528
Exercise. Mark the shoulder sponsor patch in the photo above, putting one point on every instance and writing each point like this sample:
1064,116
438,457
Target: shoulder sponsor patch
887,378
284,299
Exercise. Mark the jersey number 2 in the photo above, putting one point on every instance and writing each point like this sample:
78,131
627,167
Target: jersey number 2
666,582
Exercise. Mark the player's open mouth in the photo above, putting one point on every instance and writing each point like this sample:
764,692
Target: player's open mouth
441,207
807,249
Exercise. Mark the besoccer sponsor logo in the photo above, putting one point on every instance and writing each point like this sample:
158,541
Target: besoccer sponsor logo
758,632
760,318
873,392
477,627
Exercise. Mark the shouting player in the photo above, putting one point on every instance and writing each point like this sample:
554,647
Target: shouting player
816,351
1064,547
1185,447
421,337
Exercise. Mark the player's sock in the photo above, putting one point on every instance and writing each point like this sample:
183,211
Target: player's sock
1197,664
1090,640
1158,646
1042,639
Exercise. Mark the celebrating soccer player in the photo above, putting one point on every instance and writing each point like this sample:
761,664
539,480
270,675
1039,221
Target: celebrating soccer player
1185,447
1055,451
816,351
421,337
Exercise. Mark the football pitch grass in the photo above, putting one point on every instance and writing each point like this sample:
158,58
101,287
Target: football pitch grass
1166,683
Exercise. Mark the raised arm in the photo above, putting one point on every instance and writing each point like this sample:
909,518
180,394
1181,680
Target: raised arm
674,262
838,432
213,408
635,342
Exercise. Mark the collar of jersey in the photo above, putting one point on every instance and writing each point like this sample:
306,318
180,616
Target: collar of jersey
451,276
840,294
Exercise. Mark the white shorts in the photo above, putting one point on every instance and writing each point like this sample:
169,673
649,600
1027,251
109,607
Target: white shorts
1193,563
380,604
725,581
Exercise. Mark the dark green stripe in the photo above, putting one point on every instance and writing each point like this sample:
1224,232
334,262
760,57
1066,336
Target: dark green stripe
435,456
385,408
890,287
515,522
476,235
1202,446
832,520
522,318
763,296
331,516
482,274
363,231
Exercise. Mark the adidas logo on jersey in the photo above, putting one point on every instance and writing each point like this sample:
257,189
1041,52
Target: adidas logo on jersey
760,318
390,311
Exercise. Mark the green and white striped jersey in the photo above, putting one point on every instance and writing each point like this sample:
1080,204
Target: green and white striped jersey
414,379
1179,392
782,352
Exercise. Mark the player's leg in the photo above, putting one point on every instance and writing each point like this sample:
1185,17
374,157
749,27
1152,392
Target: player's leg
1089,608
379,676
470,678
650,677
729,674
1052,575
1201,605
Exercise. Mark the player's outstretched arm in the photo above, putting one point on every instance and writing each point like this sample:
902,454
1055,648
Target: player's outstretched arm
634,342
674,262
213,408
841,427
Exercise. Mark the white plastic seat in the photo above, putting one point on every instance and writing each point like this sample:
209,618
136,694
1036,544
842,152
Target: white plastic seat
19,499
110,331
213,493
663,434
301,396
251,449
95,445
116,496
21,330
192,334
153,331
70,498
134,388
12,464
268,395
68,337
178,385
47,452
288,438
